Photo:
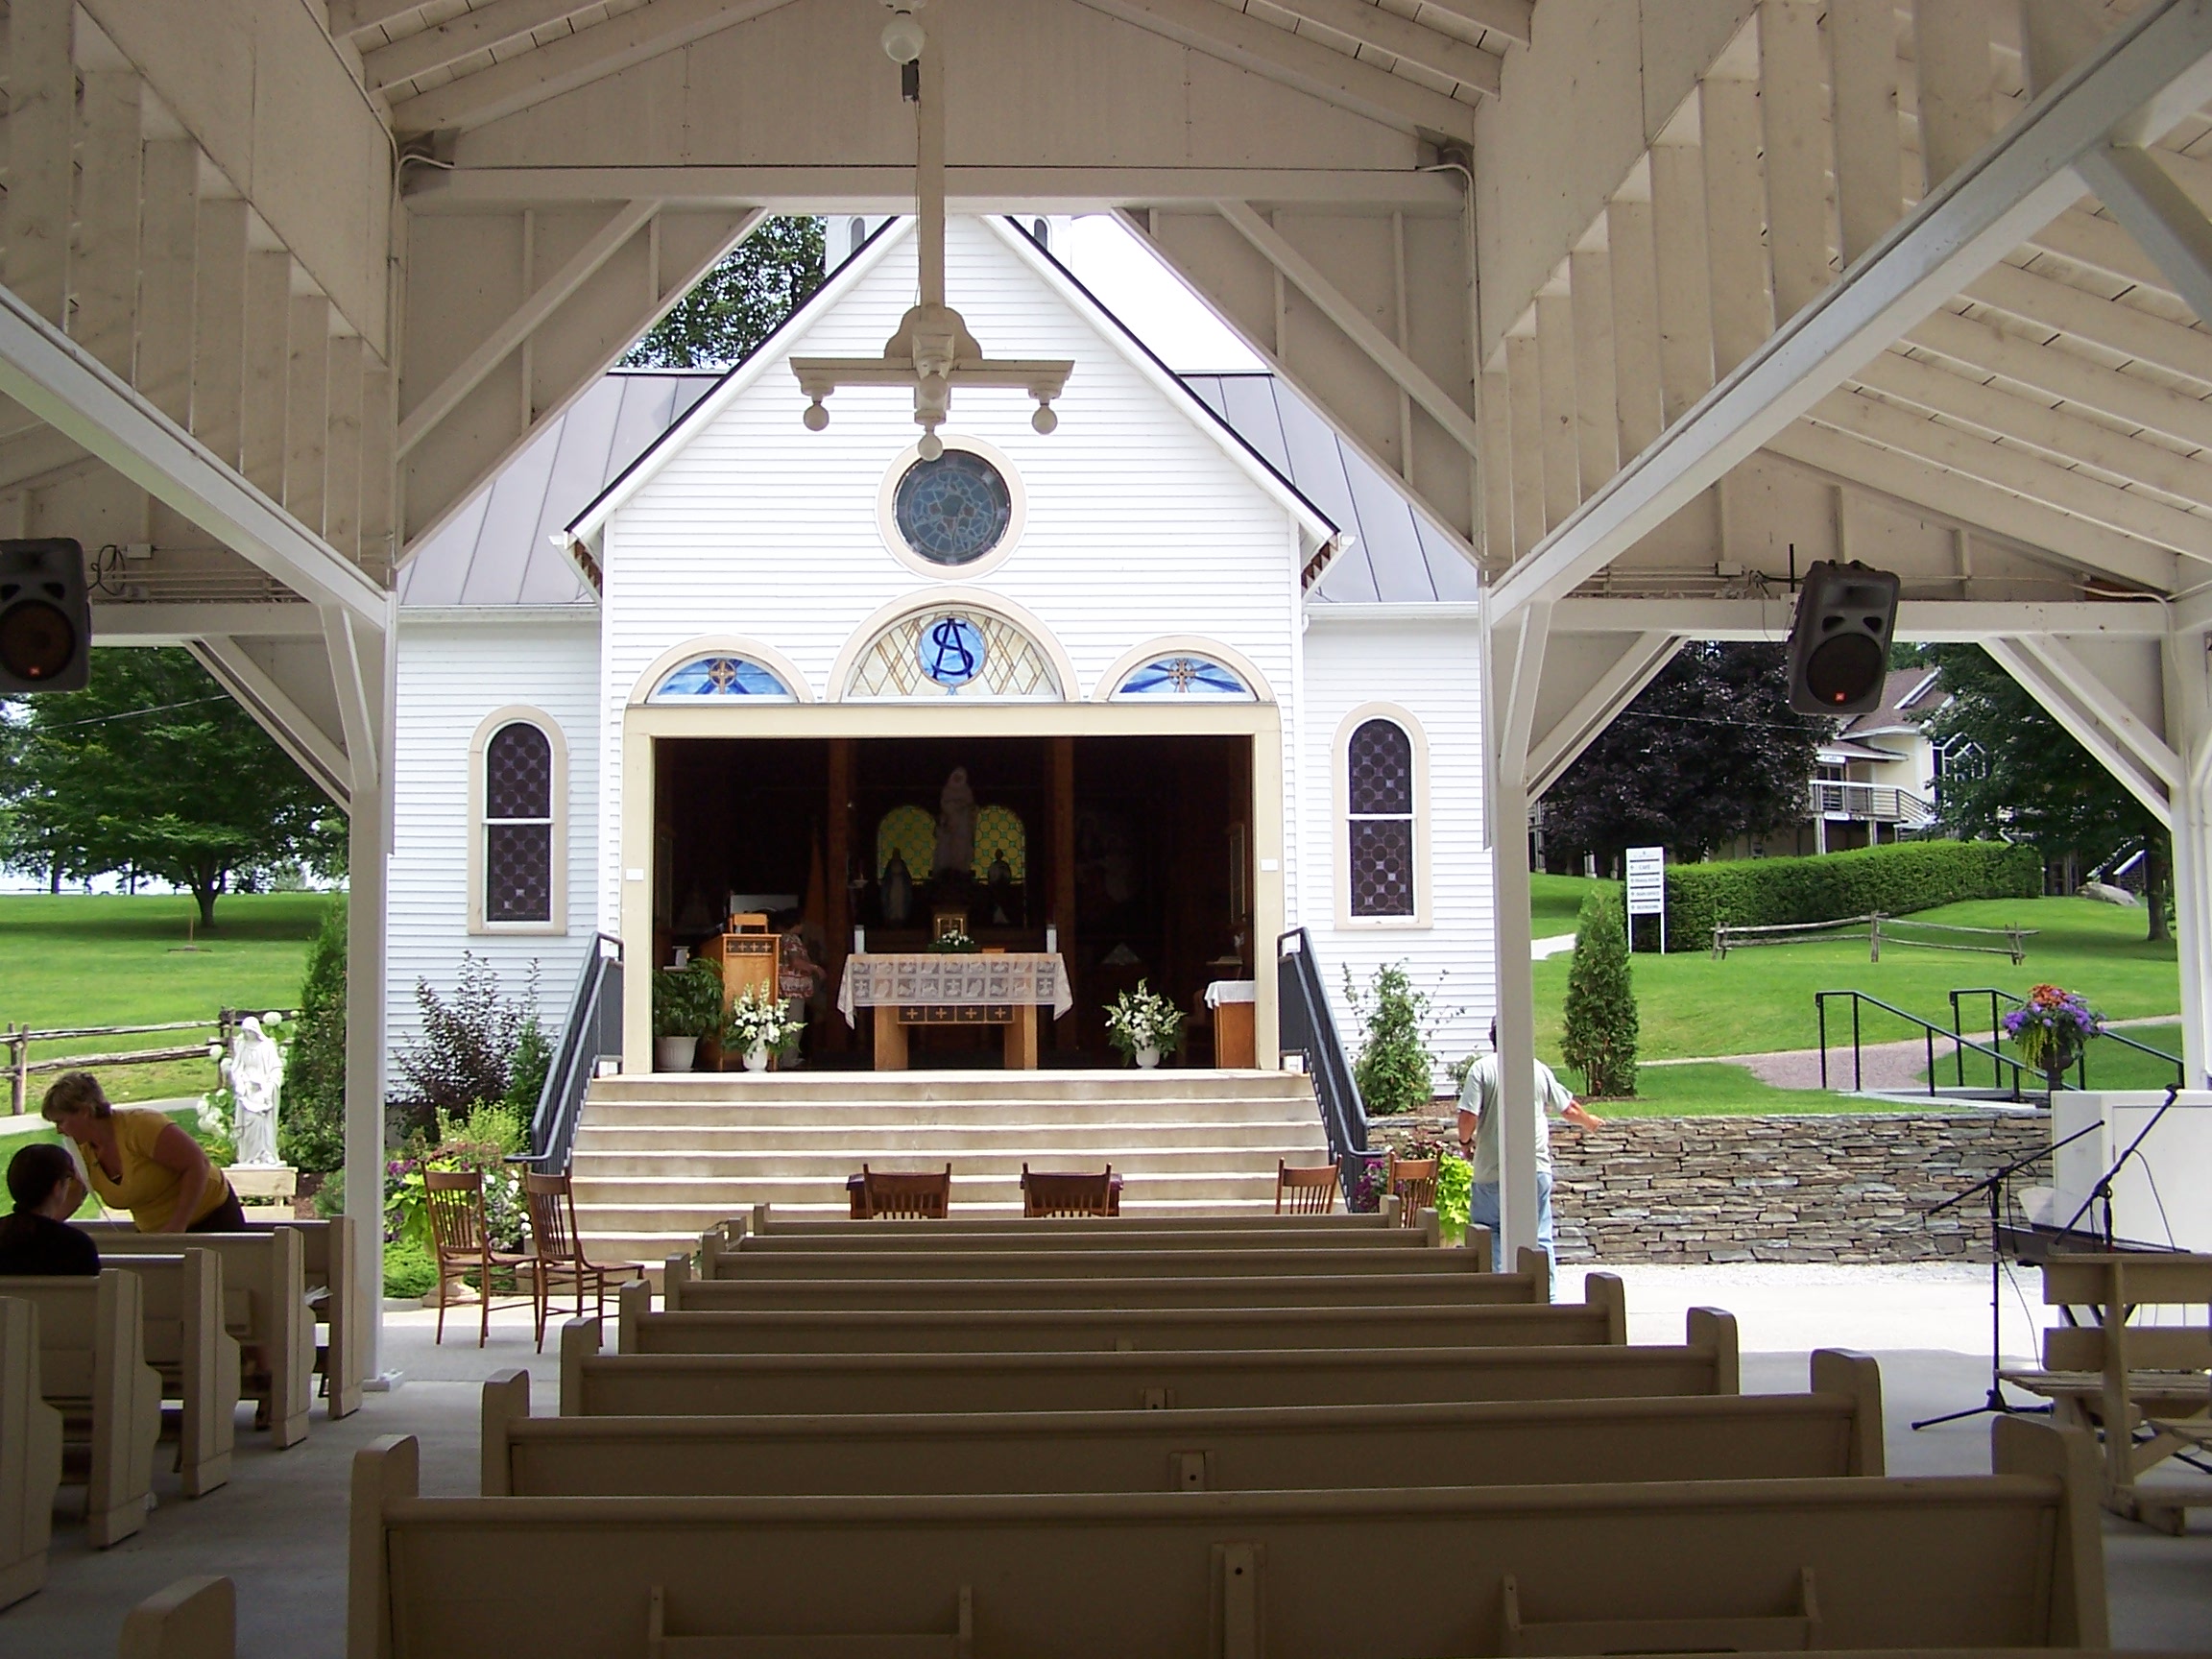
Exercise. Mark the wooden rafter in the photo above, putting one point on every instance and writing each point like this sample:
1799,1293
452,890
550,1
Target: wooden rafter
501,23
1369,26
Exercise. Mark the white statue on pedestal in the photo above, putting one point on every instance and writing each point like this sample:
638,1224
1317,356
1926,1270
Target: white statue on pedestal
956,826
255,1073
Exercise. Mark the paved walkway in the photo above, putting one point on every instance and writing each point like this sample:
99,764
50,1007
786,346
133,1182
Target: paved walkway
1900,1065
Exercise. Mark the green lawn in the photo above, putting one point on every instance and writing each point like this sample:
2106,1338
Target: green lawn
1554,902
74,960
2112,1064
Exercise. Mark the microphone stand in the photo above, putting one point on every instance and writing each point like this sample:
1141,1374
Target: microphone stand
2103,1190
1994,1402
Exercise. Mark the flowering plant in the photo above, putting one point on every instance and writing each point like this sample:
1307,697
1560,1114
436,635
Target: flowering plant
1370,1182
2051,1028
1142,1019
954,944
758,1018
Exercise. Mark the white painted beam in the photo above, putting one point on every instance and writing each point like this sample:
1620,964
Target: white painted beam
2159,214
2081,725
1957,76
2133,399
1642,657
443,45
2127,329
523,321
2016,186
2127,726
1869,143
354,709
168,624
1352,322
41,136
1919,622
359,16
1408,41
64,385
274,710
1511,19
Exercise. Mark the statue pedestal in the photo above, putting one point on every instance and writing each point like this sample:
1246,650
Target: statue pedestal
265,1191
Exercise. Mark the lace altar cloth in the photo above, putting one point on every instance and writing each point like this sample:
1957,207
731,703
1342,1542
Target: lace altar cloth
945,979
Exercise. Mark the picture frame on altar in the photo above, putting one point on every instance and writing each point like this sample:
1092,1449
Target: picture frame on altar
947,924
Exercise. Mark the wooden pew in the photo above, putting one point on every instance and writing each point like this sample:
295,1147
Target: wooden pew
1176,1259
762,1222
2116,1375
812,1384
328,1276
2012,1558
264,1279
1111,1322
1835,1430
192,1618
684,1291
92,1366
30,1455
183,1315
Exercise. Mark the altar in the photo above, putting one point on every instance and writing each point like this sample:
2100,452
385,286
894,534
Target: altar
948,988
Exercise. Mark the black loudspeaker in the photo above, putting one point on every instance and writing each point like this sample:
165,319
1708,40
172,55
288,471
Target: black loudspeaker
1839,642
45,618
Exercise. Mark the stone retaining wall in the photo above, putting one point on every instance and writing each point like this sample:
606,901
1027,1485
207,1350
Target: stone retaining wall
1842,1187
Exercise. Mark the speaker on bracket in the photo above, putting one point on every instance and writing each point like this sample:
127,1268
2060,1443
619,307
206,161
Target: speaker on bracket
45,618
1839,641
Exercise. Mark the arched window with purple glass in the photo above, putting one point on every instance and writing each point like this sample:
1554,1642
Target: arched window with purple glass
519,825
1379,812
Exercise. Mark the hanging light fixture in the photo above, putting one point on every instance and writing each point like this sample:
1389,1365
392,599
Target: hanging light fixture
932,349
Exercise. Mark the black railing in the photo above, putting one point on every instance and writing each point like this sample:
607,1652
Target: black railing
592,1029
1310,1029
1928,1030
1999,1001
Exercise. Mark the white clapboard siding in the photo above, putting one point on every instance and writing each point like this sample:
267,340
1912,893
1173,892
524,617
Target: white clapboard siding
1431,670
452,673
1140,524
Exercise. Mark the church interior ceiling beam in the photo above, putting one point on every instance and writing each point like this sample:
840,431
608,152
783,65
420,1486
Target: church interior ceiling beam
1675,263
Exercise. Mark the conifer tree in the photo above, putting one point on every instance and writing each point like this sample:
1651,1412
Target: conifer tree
1600,1039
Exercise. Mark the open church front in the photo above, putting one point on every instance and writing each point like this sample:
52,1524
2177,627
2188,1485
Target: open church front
1131,857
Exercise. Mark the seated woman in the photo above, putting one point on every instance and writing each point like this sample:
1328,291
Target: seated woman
141,1162
36,1239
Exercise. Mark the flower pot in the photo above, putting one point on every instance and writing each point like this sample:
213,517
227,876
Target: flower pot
1147,1057
756,1057
675,1053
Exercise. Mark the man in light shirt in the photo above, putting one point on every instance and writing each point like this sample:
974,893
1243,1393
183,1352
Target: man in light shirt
1478,1102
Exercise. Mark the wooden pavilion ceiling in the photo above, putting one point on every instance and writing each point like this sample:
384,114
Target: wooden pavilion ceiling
411,48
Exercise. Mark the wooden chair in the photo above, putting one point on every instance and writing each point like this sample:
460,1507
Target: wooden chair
455,1200
1414,1180
915,1196
1304,1191
558,1251
1069,1194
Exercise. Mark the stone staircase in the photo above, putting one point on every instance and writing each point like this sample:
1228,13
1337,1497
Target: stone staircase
660,1157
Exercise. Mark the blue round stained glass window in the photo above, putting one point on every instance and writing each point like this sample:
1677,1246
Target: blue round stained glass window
951,650
955,509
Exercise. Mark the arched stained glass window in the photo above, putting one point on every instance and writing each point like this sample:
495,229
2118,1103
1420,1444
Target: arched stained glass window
519,825
719,675
911,832
1183,675
999,834
1379,793
969,654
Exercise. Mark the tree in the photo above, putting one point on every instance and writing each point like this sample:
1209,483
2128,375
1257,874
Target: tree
1709,751
2011,771
1598,1039
311,1123
740,302
152,768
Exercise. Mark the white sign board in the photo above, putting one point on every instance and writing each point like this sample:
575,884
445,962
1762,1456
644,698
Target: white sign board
1647,887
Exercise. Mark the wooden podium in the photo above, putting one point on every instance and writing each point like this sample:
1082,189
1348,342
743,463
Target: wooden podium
747,960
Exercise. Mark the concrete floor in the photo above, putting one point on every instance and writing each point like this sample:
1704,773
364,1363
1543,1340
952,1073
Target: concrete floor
279,1527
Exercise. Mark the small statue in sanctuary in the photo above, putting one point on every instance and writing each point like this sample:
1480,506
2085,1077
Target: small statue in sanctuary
956,826
254,1069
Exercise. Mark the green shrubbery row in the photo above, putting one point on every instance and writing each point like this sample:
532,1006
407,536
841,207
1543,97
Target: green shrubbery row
1895,881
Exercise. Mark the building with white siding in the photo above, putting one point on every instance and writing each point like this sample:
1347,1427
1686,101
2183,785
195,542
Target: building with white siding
1209,675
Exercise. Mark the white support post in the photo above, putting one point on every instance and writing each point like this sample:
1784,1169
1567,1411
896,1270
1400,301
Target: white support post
365,690
1513,684
2188,688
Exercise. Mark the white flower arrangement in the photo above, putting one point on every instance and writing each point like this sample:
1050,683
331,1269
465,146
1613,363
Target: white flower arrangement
758,1018
1142,1019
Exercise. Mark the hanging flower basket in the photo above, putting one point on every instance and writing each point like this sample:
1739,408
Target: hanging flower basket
2051,1029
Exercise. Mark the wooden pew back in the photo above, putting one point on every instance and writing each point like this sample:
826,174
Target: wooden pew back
1176,1259
1835,1430
682,1289
183,1310
1111,1322
752,1384
762,1221
2008,1559
264,1278
192,1618
92,1365
30,1455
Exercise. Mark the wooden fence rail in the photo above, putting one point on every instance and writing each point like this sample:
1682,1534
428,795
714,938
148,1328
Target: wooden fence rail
21,1065
1727,937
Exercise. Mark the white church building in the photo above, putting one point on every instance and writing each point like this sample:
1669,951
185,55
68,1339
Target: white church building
1209,675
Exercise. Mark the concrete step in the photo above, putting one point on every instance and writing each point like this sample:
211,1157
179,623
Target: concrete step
688,1141
652,1245
965,1087
691,1210
597,1174
1011,1113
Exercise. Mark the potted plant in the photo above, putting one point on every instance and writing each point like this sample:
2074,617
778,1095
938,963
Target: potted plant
761,1022
686,1006
2051,1029
1143,1024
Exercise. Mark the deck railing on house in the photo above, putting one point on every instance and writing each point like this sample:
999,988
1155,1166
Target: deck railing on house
1309,1029
1871,803
592,1030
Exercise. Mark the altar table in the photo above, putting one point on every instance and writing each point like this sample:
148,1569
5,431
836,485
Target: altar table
946,988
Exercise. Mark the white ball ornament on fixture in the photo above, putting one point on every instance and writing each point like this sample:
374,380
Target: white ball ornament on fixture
1045,420
902,38
931,447
817,417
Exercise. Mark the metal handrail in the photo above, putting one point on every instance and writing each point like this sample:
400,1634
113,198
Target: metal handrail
1309,1029
2081,1061
1930,1032
592,1029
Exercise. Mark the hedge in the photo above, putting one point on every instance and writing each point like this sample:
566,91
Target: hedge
1895,881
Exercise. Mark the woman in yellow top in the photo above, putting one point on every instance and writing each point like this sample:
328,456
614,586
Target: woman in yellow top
141,1162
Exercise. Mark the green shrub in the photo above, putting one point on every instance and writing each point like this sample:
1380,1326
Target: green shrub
1895,881
409,1269
311,1114
1392,1069
1598,1039
687,1001
1454,1191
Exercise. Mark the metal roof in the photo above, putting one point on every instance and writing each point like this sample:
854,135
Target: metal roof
497,549
1398,554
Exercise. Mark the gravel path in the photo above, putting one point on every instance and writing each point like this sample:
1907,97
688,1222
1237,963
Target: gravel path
1884,1066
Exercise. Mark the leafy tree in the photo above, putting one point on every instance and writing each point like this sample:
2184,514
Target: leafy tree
2012,773
1392,1070
311,1124
740,302
1709,751
152,768
1598,1039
